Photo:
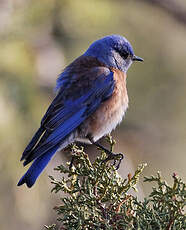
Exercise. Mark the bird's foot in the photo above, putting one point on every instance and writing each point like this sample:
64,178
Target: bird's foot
116,157
110,154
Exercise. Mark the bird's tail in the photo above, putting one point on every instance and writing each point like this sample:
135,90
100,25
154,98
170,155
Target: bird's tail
30,177
37,167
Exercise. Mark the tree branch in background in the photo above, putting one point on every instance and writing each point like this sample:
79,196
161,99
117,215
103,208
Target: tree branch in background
173,7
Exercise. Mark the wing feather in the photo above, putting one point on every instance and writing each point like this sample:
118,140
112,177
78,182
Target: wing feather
68,110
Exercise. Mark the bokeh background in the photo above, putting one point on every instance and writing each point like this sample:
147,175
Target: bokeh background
39,38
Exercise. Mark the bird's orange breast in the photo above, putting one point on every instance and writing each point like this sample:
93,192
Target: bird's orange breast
111,111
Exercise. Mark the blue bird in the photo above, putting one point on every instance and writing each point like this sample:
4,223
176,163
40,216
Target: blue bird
91,99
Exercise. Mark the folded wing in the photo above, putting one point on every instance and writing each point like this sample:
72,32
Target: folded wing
76,100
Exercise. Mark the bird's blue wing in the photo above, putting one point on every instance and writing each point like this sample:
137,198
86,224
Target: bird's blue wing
72,105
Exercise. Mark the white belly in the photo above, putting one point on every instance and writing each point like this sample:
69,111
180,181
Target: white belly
110,122
109,114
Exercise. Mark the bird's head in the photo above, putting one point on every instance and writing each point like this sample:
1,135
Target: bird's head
114,51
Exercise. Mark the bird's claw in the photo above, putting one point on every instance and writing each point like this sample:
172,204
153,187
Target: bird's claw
115,157
110,154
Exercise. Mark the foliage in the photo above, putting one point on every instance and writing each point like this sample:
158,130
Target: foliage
39,38
96,197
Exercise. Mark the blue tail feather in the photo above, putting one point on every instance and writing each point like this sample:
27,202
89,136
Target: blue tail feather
36,168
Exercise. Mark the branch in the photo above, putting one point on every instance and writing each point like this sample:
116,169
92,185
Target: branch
172,7
96,197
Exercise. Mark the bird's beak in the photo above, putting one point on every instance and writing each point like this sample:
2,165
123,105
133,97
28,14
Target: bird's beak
136,58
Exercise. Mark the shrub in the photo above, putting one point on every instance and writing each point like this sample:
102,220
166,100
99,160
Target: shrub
96,197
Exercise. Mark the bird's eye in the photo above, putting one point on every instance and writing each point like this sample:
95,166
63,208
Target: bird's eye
124,55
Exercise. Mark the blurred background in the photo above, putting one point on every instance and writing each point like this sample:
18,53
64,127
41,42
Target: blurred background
38,39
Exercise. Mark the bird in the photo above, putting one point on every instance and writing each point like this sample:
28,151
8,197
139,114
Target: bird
91,100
